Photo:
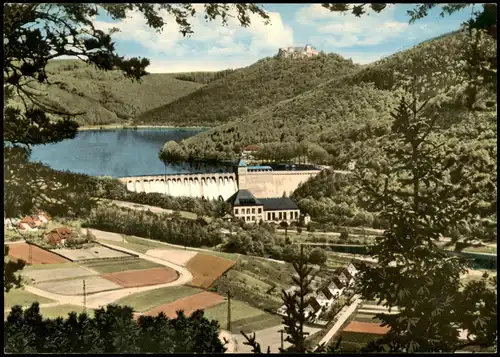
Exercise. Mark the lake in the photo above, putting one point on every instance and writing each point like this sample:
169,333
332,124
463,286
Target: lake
115,153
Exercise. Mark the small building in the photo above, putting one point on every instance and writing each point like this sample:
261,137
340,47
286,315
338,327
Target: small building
28,224
249,152
58,235
352,270
251,209
346,277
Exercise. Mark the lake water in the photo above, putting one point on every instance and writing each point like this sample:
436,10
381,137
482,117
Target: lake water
115,153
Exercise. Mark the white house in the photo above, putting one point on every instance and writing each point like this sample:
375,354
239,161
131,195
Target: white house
352,270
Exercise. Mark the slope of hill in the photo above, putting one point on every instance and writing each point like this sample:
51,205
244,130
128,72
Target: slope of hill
238,93
348,114
109,97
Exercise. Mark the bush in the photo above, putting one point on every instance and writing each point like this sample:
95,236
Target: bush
310,228
317,256
299,230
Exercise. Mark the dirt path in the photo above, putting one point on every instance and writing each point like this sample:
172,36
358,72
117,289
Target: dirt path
97,300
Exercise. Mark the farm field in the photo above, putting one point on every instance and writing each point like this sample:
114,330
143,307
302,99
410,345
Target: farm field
63,311
90,253
146,277
206,269
188,304
93,284
243,317
23,298
42,275
119,265
148,300
106,235
38,255
366,327
176,256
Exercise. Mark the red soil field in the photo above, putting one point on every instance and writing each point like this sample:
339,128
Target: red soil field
189,304
206,269
146,277
366,327
38,255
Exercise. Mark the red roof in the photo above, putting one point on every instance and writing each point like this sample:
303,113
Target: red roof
58,234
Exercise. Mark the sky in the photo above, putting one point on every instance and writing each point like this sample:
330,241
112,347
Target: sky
215,47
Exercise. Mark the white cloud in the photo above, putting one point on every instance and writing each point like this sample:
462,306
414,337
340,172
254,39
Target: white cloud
211,41
346,30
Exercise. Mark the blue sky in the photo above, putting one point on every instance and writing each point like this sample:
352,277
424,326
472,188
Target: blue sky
214,47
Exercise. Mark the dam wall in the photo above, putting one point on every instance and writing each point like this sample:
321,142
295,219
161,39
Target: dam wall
209,185
273,183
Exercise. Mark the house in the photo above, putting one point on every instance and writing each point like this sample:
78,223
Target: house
28,224
282,310
227,217
322,299
346,277
251,209
10,223
249,152
43,217
333,290
352,270
58,235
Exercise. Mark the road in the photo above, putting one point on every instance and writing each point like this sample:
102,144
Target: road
342,316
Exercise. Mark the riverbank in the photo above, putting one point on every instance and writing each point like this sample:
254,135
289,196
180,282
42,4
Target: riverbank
133,127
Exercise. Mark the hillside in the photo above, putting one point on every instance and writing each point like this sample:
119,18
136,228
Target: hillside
108,97
242,91
348,114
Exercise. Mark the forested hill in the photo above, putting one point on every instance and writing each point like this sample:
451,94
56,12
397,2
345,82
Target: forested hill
242,91
109,97
346,115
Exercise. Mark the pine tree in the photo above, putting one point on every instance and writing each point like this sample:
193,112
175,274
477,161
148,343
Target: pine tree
417,193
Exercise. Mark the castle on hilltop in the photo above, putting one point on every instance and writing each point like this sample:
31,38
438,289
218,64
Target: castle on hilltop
298,52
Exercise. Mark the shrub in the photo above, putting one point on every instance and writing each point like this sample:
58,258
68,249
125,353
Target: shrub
299,230
317,256
344,236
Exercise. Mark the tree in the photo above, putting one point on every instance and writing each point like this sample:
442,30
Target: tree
317,256
418,193
10,267
111,330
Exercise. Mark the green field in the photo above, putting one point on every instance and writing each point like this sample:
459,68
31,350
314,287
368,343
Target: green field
63,311
243,317
118,265
147,300
23,298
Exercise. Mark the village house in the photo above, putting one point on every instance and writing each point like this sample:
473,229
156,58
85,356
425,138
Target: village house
58,235
30,223
251,209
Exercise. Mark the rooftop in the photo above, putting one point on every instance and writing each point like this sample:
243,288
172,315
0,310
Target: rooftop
278,204
243,198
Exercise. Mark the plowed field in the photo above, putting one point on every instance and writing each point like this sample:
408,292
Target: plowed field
206,269
189,304
366,327
146,277
38,255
